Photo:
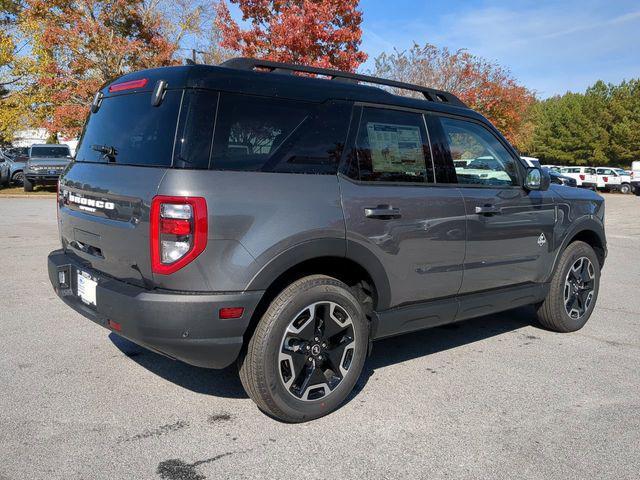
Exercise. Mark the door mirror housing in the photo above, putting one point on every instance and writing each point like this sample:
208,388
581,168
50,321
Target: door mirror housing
537,179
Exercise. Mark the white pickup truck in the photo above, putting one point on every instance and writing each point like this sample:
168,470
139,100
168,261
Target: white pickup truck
585,177
625,180
635,177
608,179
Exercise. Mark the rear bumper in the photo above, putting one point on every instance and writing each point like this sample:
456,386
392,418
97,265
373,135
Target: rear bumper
183,326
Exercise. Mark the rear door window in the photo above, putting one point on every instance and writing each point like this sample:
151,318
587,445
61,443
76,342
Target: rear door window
139,133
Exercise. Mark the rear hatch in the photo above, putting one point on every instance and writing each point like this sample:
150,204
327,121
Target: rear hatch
106,194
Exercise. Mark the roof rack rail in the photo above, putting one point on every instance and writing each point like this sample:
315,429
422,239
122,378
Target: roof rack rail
431,94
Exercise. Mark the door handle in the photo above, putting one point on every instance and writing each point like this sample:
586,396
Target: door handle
488,210
382,211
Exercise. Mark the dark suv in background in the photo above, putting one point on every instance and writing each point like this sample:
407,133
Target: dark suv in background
45,165
247,212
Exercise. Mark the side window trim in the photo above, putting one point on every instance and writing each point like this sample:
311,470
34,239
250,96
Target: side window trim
508,148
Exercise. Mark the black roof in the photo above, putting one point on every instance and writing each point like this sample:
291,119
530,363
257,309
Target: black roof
274,79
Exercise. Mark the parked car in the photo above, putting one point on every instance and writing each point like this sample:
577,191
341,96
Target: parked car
46,163
15,164
5,173
18,153
334,225
625,180
608,179
585,177
561,179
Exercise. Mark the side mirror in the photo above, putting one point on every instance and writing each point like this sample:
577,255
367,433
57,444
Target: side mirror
537,179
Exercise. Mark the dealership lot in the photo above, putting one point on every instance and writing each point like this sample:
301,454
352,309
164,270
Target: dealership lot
495,397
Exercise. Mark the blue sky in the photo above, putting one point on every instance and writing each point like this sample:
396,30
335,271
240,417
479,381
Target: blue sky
551,47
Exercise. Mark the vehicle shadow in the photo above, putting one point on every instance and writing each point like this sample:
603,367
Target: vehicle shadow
225,383
221,383
402,348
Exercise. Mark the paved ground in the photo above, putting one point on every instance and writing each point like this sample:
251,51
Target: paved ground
491,398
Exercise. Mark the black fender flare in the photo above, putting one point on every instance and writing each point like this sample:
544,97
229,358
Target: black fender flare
583,224
326,247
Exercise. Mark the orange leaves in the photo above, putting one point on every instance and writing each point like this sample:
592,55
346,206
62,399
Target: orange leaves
481,84
83,44
311,32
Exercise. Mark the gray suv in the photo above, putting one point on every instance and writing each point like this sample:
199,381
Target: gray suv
245,212
46,163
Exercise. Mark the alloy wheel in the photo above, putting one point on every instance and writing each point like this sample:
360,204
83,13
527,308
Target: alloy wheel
317,350
579,287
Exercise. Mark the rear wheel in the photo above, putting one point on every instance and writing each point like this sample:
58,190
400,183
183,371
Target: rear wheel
308,350
573,291
28,186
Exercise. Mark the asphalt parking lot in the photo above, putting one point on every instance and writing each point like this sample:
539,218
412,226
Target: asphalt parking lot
491,398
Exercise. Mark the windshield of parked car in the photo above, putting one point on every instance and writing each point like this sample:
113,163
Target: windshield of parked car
48,152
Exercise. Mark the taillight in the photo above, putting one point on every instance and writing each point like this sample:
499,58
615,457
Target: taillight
179,230
582,177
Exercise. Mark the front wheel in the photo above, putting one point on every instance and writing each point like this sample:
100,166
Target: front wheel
307,351
18,179
625,188
573,290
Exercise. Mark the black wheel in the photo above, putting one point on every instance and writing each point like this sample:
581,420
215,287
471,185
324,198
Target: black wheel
625,188
18,178
307,351
573,291
28,186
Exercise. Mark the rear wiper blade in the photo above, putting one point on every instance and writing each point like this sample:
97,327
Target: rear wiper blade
107,151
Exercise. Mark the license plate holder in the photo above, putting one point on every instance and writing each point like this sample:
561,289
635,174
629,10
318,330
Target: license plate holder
86,288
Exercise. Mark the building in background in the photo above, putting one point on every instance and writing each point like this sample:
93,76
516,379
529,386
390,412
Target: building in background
26,138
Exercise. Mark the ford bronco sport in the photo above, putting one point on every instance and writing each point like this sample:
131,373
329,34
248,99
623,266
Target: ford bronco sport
245,212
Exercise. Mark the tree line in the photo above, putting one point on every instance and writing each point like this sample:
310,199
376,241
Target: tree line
54,55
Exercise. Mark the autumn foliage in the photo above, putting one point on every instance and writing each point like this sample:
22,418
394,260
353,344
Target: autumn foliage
321,33
481,84
82,44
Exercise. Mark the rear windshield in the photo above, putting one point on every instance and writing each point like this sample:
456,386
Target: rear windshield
127,129
40,152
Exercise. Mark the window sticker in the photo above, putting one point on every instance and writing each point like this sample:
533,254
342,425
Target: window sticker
395,148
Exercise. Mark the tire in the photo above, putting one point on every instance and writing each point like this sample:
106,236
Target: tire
288,346
559,315
28,186
625,188
18,179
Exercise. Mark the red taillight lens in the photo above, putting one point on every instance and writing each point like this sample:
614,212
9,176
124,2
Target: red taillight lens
582,177
130,85
179,230
175,227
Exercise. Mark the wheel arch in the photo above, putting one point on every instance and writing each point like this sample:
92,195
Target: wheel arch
587,230
347,261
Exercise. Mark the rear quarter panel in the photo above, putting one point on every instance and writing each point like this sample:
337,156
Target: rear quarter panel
254,217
